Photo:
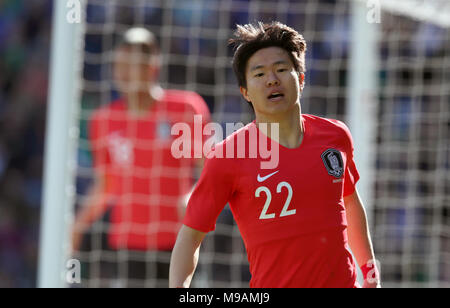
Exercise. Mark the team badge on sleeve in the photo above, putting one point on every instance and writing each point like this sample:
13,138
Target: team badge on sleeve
333,162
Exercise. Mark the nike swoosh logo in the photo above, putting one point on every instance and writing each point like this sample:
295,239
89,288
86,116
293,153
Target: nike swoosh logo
262,179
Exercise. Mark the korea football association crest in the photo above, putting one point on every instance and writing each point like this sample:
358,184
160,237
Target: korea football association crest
332,160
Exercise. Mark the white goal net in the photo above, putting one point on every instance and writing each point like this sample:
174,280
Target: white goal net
411,226
409,213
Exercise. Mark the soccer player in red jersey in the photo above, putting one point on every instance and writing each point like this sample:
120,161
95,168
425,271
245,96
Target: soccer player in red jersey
298,218
137,197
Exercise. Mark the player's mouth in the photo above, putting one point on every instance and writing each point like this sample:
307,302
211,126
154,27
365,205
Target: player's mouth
275,96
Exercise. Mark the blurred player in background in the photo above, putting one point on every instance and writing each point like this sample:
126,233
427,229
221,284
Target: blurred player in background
298,218
136,201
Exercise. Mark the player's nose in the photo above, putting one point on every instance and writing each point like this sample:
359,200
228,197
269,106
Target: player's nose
272,80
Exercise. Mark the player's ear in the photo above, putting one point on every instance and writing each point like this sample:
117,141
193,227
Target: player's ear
244,93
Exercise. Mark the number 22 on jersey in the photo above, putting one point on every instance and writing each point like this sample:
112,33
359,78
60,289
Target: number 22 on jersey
285,211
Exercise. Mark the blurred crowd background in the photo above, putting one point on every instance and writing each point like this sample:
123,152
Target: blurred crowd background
411,214
25,30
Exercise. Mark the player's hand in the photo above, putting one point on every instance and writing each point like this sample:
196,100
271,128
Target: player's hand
373,284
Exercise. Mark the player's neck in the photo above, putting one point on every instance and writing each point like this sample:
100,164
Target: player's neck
290,134
139,103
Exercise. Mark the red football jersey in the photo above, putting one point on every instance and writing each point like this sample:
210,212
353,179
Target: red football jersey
292,218
143,180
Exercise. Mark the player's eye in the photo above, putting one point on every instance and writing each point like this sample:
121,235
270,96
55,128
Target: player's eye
259,75
280,70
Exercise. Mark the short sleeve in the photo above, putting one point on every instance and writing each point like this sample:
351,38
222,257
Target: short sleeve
351,172
210,195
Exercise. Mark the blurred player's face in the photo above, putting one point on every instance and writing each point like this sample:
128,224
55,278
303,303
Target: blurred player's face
133,70
273,84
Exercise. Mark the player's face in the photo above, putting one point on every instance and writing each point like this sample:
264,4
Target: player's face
273,84
132,70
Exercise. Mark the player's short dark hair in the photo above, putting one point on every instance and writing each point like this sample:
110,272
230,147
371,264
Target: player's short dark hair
250,38
138,37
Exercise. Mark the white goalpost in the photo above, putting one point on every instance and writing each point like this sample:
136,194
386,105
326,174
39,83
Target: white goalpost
380,66
60,149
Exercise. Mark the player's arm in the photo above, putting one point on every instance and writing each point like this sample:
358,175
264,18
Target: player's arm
359,237
92,208
185,257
